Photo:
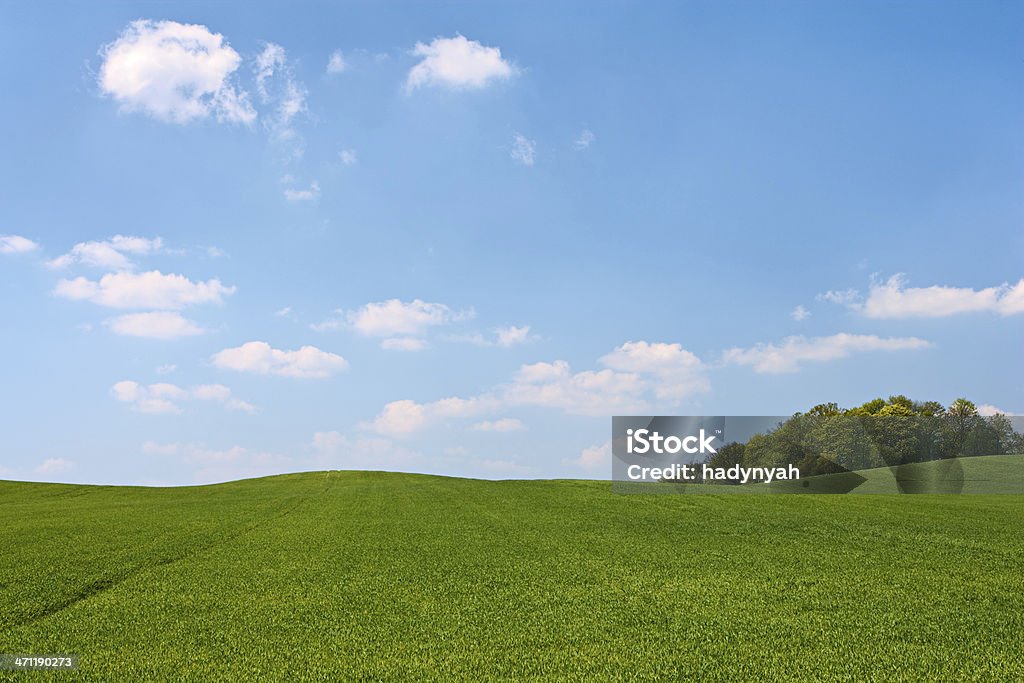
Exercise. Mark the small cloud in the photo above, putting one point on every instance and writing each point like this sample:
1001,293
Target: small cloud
794,351
584,139
505,337
307,195
987,410
154,325
152,290
800,313
112,254
336,63
260,358
403,344
166,369
163,398
52,466
523,150
458,64
349,157
505,424
16,244
593,458
283,312
396,318
842,297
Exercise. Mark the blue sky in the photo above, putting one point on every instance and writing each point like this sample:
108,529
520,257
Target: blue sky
246,239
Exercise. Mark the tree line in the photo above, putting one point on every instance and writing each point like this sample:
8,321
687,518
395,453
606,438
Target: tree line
828,439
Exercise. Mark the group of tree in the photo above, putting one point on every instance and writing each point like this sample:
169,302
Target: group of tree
883,432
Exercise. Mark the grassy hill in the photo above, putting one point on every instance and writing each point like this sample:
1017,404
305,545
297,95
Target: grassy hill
375,576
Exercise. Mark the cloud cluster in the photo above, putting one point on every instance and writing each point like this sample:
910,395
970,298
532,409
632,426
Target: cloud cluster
174,72
164,398
260,358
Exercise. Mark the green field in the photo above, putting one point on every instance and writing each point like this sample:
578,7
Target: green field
376,576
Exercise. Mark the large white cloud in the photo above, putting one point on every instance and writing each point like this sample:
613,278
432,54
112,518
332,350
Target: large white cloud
893,299
16,244
164,398
794,351
457,63
590,392
154,325
152,289
260,358
402,418
112,253
174,72
675,372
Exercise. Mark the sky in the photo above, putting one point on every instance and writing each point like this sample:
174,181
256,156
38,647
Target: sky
240,239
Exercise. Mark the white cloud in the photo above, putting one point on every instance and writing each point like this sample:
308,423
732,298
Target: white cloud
402,418
258,357
52,466
800,314
163,398
335,450
154,325
793,351
842,297
457,63
166,369
152,289
675,372
403,344
336,63
505,337
553,385
174,72
524,150
593,458
349,157
987,410
268,61
512,335
393,318
584,139
308,195
16,244
277,85
505,424
111,253
283,312
893,299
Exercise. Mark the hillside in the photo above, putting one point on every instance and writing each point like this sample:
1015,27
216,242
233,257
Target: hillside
343,575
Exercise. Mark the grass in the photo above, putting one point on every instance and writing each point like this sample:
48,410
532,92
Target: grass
375,576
